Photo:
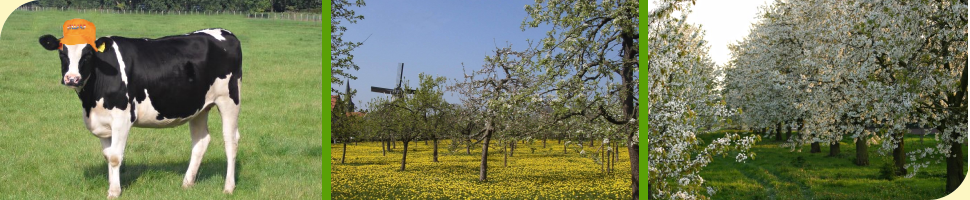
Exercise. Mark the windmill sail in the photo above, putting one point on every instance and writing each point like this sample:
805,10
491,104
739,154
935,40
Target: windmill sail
381,90
397,88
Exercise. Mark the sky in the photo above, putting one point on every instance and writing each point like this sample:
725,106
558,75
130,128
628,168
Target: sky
431,37
725,22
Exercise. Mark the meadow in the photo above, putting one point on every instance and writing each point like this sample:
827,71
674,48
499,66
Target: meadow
47,153
542,173
778,173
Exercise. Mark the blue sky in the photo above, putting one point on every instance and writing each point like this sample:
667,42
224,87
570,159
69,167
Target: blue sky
432,37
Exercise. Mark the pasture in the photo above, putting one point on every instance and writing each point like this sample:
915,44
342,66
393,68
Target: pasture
47,153
545,173
778,173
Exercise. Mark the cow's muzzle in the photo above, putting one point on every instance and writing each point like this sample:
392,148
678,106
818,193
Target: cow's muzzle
72,80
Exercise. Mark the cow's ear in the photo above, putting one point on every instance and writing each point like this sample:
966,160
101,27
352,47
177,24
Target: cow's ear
102,44
49,42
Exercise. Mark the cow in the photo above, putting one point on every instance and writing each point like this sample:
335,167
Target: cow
153,83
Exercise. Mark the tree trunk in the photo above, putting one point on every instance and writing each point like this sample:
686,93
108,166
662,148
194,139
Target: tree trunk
543,142
388,144
483,172
861,152
899,155
954,166
834,148
788,136
634,168
512,149
383,150
616,155
435,150
404,158
778,132
607,160
603,157
564,148
344,157
505,154
954,163
816,148
630,54
468,148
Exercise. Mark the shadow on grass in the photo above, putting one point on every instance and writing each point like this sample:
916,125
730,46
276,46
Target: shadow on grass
131,173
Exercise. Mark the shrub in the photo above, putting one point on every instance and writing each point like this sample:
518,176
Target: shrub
887,171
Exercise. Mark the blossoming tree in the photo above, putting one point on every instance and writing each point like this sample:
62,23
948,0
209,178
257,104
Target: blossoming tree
682,92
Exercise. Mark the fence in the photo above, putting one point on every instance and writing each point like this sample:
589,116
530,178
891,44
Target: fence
295,16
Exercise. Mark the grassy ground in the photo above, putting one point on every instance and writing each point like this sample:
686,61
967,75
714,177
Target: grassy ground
778,173
47,153
544,174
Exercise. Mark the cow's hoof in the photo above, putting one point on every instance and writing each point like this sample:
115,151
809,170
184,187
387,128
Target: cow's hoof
229,188
187,185
114,193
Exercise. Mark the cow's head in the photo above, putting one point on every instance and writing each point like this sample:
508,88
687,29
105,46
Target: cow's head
76,51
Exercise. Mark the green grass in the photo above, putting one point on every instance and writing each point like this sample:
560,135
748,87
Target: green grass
775,173
47,153
545,173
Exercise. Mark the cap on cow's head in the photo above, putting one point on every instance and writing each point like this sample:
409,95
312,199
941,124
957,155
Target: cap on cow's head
78,31
77,47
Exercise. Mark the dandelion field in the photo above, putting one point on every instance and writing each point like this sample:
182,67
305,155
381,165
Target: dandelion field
545,173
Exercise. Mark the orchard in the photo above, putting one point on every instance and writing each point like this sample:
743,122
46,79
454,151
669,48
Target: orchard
558,111
866,76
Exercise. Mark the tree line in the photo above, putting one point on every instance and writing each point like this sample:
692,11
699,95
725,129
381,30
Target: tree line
188,5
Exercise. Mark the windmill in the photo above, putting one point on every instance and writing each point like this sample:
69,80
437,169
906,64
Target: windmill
397,91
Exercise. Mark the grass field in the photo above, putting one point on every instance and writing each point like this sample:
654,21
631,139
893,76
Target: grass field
778,173
543,174
47,153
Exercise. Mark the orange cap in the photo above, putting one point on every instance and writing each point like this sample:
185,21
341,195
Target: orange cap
79,31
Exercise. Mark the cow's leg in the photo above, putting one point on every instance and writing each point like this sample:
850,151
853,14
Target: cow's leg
115,153
200,141
230,134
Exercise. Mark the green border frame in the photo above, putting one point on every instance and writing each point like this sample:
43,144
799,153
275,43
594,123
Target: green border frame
326,118
643,90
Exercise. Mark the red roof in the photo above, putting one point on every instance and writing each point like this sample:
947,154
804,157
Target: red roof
333,103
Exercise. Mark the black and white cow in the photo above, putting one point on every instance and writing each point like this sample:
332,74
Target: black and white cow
156,83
